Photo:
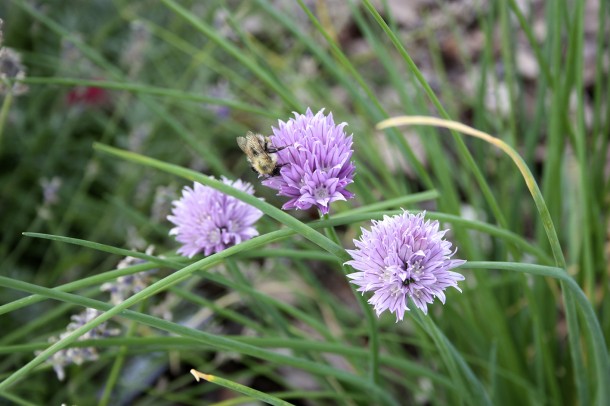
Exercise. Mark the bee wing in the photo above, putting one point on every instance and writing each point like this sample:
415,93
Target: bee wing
243,144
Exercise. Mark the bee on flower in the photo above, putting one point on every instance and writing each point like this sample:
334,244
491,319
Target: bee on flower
316,169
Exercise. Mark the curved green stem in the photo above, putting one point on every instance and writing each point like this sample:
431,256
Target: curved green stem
600,351
341,219
115,371
521,165
202,337
266,208
150,90
368,314
6,106
252,393
461,146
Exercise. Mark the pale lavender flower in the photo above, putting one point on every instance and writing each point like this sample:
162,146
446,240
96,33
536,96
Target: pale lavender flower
128,285
78,355
209,221
50,190
11,69
402,257
219,90
315,163
162,203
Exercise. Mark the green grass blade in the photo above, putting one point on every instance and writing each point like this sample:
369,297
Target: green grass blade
204,338
266,208
252,393
516,158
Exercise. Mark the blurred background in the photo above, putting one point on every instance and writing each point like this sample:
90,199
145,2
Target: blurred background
180,80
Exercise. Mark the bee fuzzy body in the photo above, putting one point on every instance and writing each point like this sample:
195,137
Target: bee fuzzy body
260,153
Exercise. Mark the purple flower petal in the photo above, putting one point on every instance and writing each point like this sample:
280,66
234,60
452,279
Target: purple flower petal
209,221
316,163
403,257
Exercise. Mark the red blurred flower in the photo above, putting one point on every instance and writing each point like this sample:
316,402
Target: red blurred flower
87,96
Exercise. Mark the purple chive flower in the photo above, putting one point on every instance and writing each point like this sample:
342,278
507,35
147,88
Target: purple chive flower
209,221
403,256
316,166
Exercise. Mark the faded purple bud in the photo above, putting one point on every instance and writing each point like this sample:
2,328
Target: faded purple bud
78,355
133,56
209,221
50,190
126,286
11,69
402,257
219,90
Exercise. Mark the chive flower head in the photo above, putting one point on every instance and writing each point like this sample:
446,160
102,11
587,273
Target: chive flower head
208,221
403,257
315,158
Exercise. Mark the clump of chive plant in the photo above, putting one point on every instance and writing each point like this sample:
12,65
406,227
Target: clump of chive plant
316,165
402,257
208,221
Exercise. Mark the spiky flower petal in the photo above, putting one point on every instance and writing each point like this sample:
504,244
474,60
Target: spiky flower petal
209,221
316,161
402,257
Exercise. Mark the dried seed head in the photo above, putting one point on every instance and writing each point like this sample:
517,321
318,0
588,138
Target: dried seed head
11,69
